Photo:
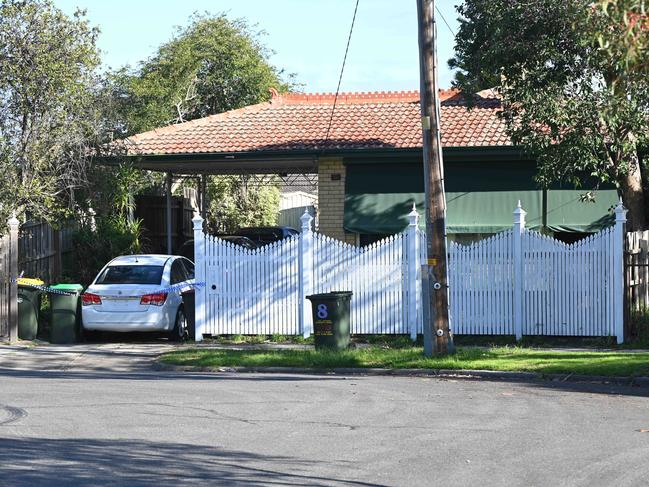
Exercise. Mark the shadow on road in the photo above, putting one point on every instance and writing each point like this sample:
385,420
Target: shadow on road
129,337
90,462
593,388
102,374
611,388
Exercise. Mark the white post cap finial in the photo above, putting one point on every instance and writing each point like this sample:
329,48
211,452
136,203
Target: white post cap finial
413,216
198,222
306,219
519,215
620,212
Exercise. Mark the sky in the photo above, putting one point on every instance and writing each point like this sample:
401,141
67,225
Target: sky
307,36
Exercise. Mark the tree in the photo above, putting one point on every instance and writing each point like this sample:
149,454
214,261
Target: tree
51,107
627,39
234,204
104,227
213,65
574,95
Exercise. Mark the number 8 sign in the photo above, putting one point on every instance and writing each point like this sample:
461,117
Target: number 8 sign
322,312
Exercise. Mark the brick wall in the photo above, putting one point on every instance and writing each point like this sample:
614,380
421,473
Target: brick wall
331,199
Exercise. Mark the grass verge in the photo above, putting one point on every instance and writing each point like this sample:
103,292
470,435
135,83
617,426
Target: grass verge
496,358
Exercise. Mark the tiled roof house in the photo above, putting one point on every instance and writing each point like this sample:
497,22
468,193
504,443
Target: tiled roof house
368,159
299,121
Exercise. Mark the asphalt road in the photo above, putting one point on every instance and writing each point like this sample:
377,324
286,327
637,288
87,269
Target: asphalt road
98,415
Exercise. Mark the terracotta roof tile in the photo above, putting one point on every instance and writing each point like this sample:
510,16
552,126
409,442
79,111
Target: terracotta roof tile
298,121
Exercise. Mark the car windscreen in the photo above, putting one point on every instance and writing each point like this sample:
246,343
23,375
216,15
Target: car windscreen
131,274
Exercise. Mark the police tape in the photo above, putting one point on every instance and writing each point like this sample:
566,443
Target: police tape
46,289
181,287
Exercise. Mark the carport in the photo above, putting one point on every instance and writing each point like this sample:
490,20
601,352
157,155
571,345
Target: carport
261,168
260,141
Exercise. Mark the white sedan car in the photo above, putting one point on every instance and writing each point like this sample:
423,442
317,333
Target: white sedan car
139,293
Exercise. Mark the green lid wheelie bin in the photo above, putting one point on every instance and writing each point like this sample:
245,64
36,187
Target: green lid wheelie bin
29,304
66,313
331,319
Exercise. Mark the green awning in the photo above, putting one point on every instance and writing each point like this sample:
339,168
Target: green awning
567,213
378,198
480,197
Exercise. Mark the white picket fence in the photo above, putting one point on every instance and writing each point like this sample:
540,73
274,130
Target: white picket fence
517,282
520,282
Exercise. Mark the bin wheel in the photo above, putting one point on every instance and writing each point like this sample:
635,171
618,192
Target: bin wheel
179,331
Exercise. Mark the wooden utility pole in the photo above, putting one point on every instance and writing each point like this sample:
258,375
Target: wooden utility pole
438,338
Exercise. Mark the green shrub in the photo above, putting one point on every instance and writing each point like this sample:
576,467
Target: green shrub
95,245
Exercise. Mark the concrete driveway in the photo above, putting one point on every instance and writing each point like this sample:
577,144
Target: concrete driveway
100,415
111,357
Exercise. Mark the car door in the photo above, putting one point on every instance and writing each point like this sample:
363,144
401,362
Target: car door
189,268
176,278
190,273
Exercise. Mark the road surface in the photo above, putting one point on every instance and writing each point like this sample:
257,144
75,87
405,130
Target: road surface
99,414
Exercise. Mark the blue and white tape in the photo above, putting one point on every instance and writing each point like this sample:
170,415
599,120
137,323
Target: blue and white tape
184,286
45,289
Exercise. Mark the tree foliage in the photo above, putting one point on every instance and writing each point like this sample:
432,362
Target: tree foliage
105,227
213,65
234,203
51,107
627,39
575,95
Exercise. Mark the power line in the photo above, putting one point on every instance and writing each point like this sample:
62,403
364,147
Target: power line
444,19
340,78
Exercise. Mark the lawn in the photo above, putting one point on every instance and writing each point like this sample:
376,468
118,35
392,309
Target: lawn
495,358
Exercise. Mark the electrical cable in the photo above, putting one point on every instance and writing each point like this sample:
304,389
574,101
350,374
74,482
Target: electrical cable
444,19
342,69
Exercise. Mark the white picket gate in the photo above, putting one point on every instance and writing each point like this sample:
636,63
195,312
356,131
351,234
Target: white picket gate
481,286
520,282
517,282
375,274
568,289
251,291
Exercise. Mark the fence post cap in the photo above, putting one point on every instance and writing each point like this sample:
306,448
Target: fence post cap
519,215
519,209
198,222
13,221
620,212
413,216
306,219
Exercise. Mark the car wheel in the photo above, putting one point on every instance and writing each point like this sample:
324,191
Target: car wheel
179,331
